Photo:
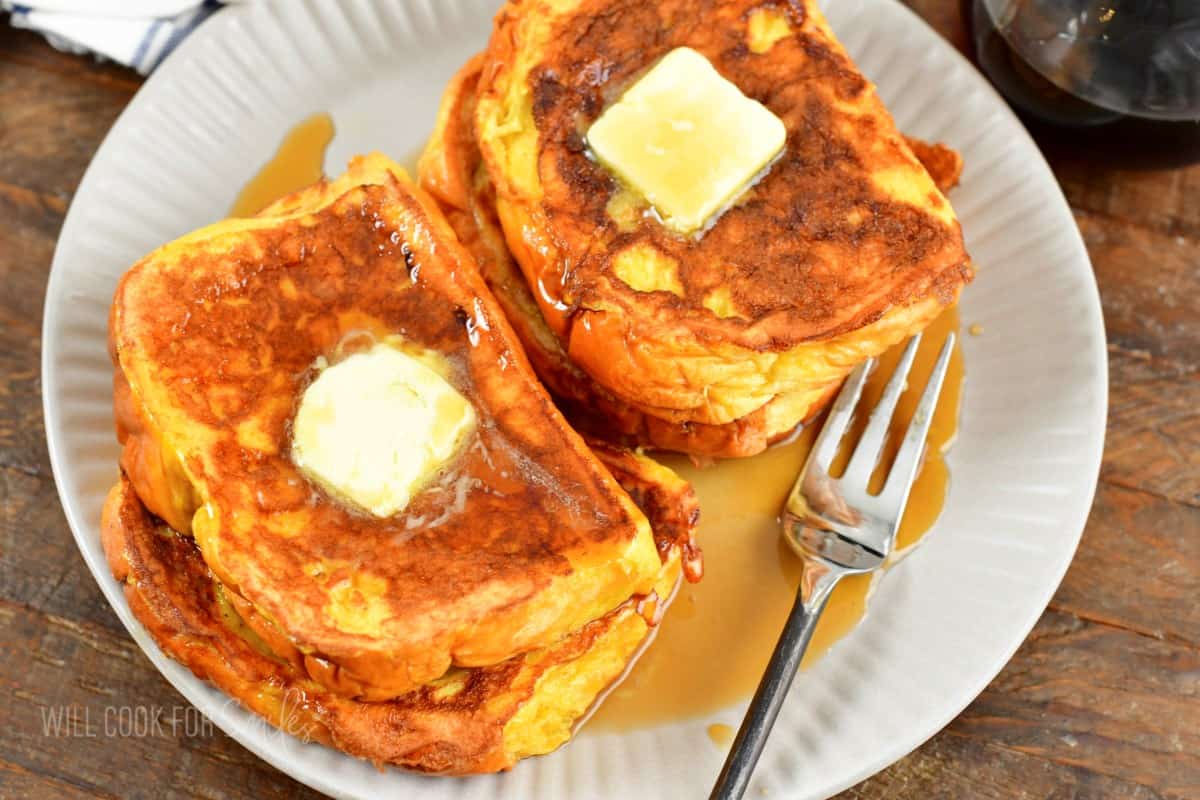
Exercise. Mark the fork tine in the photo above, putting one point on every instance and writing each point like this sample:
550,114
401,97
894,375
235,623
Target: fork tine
908,458
826,446
866,453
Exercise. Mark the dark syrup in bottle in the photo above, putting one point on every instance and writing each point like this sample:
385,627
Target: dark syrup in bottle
1122,83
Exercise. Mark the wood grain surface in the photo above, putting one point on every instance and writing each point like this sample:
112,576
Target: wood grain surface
1102,700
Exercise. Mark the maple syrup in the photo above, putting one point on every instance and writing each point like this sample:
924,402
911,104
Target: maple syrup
717,636
719,633
720,734
299,162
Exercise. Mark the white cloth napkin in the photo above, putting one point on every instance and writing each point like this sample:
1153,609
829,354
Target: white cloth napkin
136,33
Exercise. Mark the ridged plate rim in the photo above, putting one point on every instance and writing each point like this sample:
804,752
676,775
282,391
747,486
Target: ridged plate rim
1012,210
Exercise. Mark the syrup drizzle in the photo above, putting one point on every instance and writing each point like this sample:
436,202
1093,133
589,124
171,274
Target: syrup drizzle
719,633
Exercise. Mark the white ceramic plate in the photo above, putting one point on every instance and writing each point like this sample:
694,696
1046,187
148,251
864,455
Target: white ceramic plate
942,624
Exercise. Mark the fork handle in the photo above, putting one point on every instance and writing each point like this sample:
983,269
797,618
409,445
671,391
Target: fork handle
773,688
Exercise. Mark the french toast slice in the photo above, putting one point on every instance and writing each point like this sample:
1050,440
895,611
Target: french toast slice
522,540
452,170
844,247
469,720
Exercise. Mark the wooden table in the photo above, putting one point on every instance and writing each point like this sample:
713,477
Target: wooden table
1103,700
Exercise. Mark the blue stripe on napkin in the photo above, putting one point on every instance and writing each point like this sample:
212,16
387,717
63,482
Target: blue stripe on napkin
182,26
138,42
140,53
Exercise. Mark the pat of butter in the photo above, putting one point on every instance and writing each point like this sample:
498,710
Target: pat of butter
375,427
686,138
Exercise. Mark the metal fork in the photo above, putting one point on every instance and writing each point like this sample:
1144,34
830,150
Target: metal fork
838,528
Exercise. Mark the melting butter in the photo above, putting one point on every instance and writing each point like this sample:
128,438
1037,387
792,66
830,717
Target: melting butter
687,139
375,427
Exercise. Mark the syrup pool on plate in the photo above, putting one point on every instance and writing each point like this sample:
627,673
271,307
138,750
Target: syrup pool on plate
299,162
717,636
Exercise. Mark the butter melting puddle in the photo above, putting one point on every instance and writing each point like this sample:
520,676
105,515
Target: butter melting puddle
718,634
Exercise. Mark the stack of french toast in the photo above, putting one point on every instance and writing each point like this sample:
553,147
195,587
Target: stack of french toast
384,475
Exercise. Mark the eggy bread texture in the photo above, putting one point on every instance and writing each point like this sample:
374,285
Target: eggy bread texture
525,539
842,249
481,719
452,170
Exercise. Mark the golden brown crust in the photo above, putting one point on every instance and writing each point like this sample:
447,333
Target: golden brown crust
943,163
455,725
801,286
451,170
218,333
172,593
842,249
667,500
